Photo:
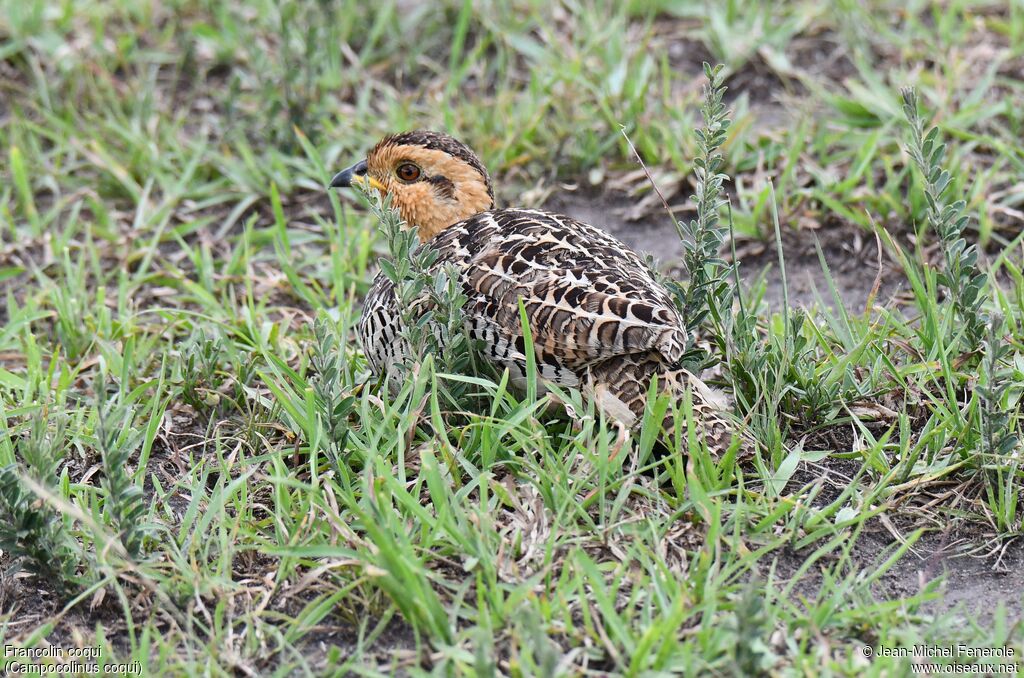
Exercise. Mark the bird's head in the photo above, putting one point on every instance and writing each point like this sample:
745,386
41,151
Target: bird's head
434,180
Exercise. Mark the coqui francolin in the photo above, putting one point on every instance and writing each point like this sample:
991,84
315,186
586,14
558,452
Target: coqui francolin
599,319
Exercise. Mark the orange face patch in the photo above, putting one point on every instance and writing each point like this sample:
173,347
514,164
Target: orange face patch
446,190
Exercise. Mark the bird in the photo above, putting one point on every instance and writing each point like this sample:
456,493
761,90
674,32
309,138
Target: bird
600,320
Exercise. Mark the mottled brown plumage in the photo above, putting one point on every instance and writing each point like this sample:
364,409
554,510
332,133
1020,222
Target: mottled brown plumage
600,320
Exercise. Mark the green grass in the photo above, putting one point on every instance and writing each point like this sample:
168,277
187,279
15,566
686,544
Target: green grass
194,479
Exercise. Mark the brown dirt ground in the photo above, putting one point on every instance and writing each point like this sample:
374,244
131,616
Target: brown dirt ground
851,254
979,573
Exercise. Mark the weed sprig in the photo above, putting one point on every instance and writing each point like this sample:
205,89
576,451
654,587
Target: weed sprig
32,532
948,219
1000,442
125,505
430,297
333,404
709,289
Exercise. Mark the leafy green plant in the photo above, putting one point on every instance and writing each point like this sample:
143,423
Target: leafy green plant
708,289
201,356
429,297
999,438
948,219
753,628
333,405
754,366
125,504
32,532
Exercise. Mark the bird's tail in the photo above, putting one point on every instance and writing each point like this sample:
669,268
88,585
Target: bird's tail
620,386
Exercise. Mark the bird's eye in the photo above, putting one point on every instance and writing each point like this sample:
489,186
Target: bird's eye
408,172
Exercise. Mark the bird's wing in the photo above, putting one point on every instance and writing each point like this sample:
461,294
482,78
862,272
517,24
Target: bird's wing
587,296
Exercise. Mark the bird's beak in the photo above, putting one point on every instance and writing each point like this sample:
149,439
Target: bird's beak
356,174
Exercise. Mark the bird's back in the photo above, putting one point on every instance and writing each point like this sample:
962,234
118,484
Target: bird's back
588,297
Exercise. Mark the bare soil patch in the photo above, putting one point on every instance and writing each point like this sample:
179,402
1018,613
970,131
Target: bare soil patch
979,573
976,577
851,254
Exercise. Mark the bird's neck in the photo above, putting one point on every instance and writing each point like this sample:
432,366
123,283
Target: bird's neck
444,214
